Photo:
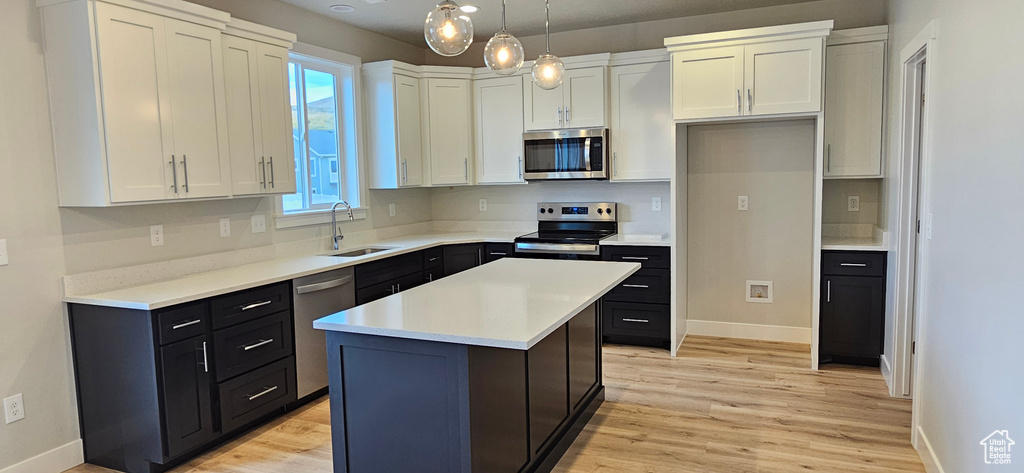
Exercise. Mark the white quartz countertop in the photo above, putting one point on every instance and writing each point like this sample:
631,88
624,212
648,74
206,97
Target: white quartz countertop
510,303
853,243
638,239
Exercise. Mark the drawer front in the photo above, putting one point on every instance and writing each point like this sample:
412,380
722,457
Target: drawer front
252,304
181,322
853,263
651,257
497,251
647,285
387,288
369,274
633,319
253,395
243,347
433,258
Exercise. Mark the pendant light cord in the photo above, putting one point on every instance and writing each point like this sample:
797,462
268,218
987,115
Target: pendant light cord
547,31
502,16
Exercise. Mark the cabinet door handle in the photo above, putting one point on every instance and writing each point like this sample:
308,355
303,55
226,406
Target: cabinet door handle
615,164
392,288
256,304
184,165
174,172
263,170
399,286
271,162
750,101
559,117
640,321
430,277
262,393
520,168
405,171
739,103
465,164
256,345
828,295
855,265
206,366
567,119
479,257
186,324
637,286
638,258
828,159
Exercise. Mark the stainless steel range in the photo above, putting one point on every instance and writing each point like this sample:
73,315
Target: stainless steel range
569,230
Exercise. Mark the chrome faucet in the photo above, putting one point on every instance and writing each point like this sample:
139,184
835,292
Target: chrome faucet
335,229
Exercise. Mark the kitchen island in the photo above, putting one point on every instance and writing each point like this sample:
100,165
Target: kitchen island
495,369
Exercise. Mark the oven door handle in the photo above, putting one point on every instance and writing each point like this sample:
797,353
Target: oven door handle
558,248
586,153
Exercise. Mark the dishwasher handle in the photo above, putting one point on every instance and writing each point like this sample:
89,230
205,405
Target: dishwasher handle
320,286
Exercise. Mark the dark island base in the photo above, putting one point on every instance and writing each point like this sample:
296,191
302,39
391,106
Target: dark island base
433,407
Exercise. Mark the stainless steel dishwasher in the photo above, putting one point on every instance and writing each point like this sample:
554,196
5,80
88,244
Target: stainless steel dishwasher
317,296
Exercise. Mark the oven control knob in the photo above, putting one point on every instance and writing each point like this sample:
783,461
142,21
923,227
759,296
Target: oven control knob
600,211
542,210
550,211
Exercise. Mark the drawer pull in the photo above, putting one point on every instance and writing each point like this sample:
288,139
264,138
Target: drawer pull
263,393
855,265
638,258
256,345
641,321
431,260
186,324
637,286
256,304
494,253
320,286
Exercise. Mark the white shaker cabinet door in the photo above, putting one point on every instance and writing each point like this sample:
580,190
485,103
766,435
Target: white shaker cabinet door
584,97
136,104
245,143
542,108
783,77
195,66
450,130
643,144
499,130
854,82
410,144
276,117
707,83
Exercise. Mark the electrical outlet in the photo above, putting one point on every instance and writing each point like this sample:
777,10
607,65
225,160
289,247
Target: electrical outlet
3,253
853,204
743,203
656,204
483,205
391,210
156,235
14,408
225,227
259,223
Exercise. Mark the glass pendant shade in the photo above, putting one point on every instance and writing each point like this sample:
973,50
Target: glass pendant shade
504,54
548,71
448,32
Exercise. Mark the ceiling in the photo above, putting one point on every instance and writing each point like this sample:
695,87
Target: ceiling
403,19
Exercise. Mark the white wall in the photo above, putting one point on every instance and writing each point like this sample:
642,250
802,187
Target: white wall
772,163
970,347
835,202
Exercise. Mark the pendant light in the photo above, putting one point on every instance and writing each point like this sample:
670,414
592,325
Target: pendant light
447,31
504,53
548,69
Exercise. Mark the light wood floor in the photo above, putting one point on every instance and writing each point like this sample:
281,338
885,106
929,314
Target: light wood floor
723,405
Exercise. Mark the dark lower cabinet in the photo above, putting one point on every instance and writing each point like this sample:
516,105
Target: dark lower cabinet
497,251
852,314
382,278
637,311
188,407
458,258
549,382
582,344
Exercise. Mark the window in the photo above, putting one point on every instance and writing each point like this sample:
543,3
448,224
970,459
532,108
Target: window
323,133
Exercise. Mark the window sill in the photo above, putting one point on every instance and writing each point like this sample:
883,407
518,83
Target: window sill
315,217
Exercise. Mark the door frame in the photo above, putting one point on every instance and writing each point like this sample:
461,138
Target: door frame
912,194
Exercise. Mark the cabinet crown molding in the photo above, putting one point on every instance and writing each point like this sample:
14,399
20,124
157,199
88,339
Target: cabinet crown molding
858,35
417,72
177,9
750,35
260,33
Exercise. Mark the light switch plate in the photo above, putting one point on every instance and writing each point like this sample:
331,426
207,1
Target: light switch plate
156,235
391,210
259,223
225,227
853,204
743,203
3,253
483,205
656,204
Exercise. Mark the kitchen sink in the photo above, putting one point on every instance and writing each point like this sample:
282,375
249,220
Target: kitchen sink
360,252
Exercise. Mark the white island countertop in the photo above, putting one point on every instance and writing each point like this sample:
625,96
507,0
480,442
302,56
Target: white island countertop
510,303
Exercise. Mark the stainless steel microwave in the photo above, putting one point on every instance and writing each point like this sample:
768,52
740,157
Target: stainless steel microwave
566,154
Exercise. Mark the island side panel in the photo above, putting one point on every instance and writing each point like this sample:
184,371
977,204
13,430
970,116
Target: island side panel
402,404
584,355
547,365
499,420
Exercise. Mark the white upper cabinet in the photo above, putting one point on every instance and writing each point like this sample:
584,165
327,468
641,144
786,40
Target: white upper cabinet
409,152
756,72
578,103
854,92
499,130
643,142
449,130
259,110
393,116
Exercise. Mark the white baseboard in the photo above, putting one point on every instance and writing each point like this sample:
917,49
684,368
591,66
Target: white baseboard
772,333
886,368
924,450
57,460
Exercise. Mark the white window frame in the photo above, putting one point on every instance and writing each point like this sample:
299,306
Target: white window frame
350,168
